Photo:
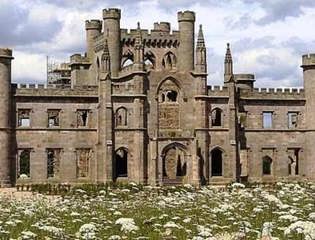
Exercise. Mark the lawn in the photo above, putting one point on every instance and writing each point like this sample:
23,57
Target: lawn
285,211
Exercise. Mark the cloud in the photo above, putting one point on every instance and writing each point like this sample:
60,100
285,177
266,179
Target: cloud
279,10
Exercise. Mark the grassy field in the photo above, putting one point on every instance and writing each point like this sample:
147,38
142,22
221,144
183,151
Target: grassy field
286,211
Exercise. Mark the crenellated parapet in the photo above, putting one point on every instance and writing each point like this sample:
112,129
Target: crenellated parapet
218,91
186,16
272,94
153,38
111,13
78,59
93,24
308,61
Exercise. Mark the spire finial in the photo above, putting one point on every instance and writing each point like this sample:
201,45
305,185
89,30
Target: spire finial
228,64
228,55
138,25
201,39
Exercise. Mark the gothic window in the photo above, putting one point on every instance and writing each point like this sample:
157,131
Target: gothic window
216,117
174,163
149,59
121,117
82,118
267,119
127,59
83,157
24,118
169,61
121,158
216,162
24,163
267,165
53,117
292,120
53,162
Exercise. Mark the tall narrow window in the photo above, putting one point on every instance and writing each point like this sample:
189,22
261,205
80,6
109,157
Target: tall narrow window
121,158
121,117
53,117
24,163
216,117
267,165
267,119
292,120
24,117
53,162
216,162
83,162
82,118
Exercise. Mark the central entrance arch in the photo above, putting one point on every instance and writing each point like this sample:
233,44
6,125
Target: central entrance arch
121,162
174,163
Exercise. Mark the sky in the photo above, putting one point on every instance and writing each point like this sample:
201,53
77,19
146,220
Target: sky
267,37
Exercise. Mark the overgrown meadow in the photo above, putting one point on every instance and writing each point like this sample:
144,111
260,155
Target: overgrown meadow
285,211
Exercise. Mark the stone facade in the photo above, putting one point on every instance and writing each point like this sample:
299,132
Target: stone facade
139,109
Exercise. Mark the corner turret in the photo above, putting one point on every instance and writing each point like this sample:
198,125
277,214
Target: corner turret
93,28
186,24
5,113
111,18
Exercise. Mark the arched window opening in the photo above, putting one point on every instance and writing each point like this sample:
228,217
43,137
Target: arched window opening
121,117
293,162
174,163
267,165
121,159
24,163
149,59
169,61
127,59
98,64
216,117
172,96
216,162
127,63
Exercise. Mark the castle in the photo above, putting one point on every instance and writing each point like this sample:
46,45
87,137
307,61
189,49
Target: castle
136,107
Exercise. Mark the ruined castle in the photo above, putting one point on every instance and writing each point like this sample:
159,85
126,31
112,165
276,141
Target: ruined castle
136,107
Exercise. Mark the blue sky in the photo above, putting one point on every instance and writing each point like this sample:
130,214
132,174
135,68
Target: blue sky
267,37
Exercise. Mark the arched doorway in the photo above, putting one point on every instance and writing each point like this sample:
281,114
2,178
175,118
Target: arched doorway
216,162
174,163
121,160
267,165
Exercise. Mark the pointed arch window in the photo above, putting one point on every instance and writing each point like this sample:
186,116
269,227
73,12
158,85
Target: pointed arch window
149,59
127,59
121,117
169,61
216,162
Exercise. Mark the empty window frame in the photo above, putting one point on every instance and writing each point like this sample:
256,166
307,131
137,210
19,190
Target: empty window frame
24,118
82,117
216,117
53,162
24,157
83,156
267,120
121,117
266,165
292,119
53,117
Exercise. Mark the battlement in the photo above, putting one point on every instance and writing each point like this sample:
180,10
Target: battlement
308,60
111,13
153,37
273,93
186,16
162,27
218,91
5,53
78,59
244,77
93,24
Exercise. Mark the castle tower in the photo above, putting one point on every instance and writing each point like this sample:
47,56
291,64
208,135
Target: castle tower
308,65
111,18
201,54
93,28
5,101
186,25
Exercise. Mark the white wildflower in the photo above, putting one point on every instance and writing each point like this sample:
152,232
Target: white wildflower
127,224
